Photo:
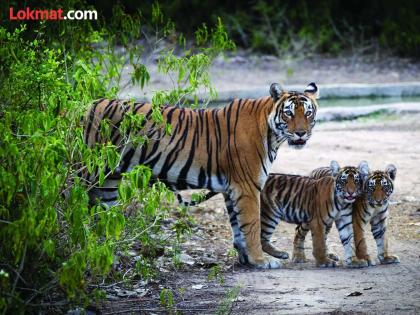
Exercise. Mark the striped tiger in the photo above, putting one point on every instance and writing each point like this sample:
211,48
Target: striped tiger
372,206
228,150
314,204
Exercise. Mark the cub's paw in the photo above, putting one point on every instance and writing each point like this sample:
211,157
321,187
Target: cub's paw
327,263
299,257
391,259
271,250
333,256
371,261
354,262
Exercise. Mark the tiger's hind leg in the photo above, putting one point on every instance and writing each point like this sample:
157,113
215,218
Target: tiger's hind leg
299,244
359,225
269,222
246,229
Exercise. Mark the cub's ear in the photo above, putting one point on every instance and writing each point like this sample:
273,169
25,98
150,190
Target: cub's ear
391,170
275,91
364,169
334,167
312,90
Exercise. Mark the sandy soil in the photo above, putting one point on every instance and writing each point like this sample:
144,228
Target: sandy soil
303,288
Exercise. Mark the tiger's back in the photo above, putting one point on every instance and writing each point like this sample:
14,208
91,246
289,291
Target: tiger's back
203,149
294,199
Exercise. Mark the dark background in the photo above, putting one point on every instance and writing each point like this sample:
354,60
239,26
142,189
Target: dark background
325,26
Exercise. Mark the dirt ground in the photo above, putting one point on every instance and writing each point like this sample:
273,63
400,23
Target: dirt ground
303,288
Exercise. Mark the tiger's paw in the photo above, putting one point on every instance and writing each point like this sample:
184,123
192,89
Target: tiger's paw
354,262
265,263
371,261
299,257
327,263
333,256
259,263
271,250
390,259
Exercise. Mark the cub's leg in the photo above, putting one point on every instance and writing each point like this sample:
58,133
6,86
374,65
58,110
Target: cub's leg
269,222
359,225
318,231
378,227
246,228
345,229
299,243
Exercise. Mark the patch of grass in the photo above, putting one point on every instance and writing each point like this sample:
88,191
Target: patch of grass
225,307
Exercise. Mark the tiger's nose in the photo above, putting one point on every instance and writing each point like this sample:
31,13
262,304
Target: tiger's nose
300,133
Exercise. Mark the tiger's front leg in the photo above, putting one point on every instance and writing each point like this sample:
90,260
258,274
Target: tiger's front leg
359,233
378,227
299,243
319,245
244,214
345,230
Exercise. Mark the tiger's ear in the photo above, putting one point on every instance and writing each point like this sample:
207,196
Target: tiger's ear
364,169
334,167
391,170
312,90
275,91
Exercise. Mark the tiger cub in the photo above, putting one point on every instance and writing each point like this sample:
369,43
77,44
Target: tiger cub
314,204
372,206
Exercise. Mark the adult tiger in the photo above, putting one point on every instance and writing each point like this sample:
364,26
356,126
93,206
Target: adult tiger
314,204
372,207
228,150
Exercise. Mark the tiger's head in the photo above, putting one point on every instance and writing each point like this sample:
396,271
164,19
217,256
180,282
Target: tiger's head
379,186
348,180
294,115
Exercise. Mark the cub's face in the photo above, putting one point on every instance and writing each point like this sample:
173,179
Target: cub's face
348,182
295,113
380,185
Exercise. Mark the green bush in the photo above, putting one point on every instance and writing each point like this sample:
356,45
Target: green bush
53,243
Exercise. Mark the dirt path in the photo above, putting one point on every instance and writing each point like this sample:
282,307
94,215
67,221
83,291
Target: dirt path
303,288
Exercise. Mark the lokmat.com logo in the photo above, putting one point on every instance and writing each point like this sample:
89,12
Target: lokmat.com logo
53,15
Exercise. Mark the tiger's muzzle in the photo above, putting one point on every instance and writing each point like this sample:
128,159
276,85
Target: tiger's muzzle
298,140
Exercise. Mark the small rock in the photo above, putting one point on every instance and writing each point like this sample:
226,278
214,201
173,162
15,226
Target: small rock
186,259
208,261
197,286
355,293
240,299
